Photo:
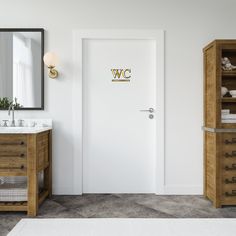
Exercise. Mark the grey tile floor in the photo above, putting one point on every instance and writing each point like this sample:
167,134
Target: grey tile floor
124,206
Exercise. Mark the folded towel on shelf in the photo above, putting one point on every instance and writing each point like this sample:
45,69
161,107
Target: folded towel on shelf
14,188
13,192
228,116
228,121
13,179
225,111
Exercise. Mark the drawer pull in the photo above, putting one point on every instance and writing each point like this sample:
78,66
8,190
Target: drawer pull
232,181
232,167
22,143
230,155
22,155
232,194
232,141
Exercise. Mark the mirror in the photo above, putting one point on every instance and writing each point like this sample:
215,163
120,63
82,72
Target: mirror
21,69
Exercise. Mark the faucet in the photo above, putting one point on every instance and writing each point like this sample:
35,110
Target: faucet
12,108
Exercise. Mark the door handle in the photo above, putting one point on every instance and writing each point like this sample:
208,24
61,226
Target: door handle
151,110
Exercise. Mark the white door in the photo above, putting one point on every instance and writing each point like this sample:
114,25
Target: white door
119,140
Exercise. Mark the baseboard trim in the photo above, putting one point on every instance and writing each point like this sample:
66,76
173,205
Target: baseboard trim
167,190
63,191
183,190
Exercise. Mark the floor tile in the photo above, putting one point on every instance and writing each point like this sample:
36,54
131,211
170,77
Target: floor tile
121,206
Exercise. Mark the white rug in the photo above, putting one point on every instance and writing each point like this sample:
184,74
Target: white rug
125,227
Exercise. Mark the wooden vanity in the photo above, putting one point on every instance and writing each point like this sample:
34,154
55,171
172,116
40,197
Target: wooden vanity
27,154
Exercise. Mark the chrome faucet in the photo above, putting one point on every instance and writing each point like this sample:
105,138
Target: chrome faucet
11,108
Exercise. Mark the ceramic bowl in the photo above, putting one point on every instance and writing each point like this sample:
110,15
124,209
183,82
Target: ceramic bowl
224,90
233,93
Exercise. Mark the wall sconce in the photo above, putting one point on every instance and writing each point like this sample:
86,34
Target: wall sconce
50,60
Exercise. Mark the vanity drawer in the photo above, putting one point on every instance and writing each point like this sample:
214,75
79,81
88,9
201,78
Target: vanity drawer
13,151
13,139
229,187
228,194
13,159
228,165
12,143
13,163
229,142
229,179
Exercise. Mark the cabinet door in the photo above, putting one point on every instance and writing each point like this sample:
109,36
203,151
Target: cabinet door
212,87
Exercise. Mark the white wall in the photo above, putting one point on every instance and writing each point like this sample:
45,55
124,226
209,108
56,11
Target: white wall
189,25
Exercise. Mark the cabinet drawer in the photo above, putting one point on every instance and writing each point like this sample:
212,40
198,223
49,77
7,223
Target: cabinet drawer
19,164
228,165
229,179
13,151
229,142
13,139
12,143
228,187
229,193
13,159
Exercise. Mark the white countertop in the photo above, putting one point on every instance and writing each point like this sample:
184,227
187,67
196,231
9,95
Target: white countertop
30,126
23,130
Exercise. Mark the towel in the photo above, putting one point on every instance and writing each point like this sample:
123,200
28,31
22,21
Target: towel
13,192
229,121
225,111
228,116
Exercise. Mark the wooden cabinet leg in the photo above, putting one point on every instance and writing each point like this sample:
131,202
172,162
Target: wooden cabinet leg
48,171
33,195
48,181
32,175
217,204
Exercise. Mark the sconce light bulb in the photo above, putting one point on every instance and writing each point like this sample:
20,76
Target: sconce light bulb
50,59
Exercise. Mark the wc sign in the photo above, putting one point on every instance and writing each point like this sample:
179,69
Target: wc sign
121,75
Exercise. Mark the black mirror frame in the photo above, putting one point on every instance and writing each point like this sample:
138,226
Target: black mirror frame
40,30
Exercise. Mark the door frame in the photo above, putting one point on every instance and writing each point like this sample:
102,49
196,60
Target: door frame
77,95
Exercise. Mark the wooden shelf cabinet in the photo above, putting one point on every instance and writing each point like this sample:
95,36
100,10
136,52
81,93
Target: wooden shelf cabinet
27,155
219,137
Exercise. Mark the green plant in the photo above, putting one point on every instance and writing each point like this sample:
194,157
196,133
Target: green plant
16,104
6,102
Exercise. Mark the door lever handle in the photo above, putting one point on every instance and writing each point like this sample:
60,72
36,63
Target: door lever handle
151,110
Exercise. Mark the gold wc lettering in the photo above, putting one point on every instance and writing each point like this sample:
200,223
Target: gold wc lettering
121,74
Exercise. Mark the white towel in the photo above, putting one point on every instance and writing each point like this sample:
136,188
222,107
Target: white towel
225,111
13,179
229,121
13,192
228,116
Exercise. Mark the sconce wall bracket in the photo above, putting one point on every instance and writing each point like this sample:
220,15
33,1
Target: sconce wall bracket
52,73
